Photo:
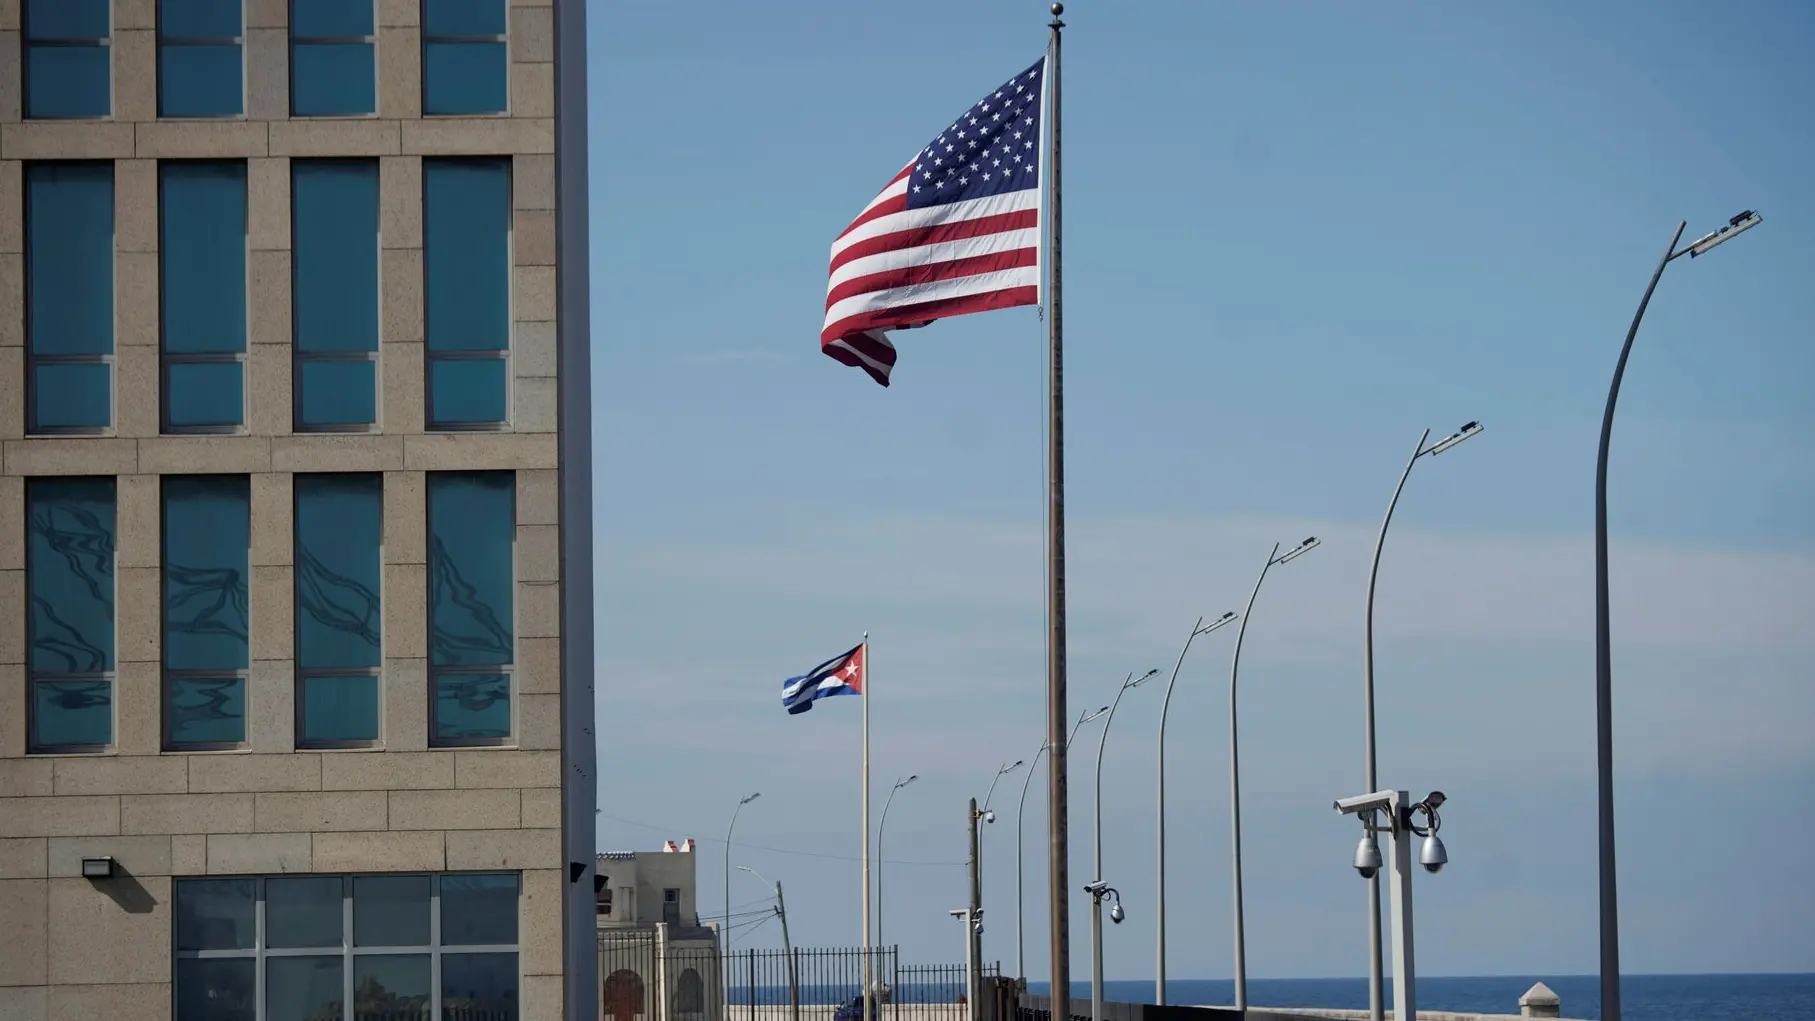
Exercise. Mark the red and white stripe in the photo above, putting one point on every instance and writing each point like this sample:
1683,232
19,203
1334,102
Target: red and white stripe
898,268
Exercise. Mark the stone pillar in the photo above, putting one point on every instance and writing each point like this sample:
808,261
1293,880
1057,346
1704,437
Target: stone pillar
1539,1001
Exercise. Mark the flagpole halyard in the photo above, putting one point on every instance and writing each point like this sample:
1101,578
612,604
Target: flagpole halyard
869,1006
1057,791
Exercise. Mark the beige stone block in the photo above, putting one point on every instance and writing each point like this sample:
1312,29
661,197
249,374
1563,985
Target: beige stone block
542,996
533,238
186,813
10,98
268,205
400,201
538,553
539,497
334,138
140,633
272,727
12,523
406,610
23,858
406,706
138,687
405,518
401,319
25,778
121,774
124,921
532,3
204,455
539,939
72,455
533,352
535,406
267,13
233,774
135,14
387,770
137,856
12,703
474,850
137,520
533,293
505,767
24,905
273,612
12,626
12,392
135,74
400,405
337,453
456,810
400,72
136,408
538,721
532,182
137,299
31,1003
538,668
140,1001
267,74
12,300
268,377
270,315
189,855
259,853
532,36
477,451
320,812
12,198
273,516
542,808
538,610
59,817
532,90
66,140
380,852
201,139
468,136
394,13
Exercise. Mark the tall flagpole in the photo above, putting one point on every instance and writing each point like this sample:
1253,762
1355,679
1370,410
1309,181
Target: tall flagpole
868,973
1057,793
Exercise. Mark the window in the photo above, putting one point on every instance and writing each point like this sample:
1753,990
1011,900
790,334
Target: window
332,73
201,72
202,227
472,532
334,214
207,548
348,948
69,583
339,536
67,59
465,69
69,297
467,224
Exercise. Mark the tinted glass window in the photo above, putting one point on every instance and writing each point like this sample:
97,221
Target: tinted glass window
467,267
69,294
70,620
472,526
200,66
67,65
339,621
332,73
465,66
202,228
335,237
207,542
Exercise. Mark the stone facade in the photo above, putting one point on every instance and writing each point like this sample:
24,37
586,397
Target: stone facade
79,948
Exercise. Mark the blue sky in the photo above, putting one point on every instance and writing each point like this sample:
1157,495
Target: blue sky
1297,234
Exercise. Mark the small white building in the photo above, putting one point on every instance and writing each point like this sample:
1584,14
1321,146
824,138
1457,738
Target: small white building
656,961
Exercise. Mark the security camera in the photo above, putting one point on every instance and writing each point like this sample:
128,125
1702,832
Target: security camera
1116,914
1432,855
989,816
1367,856
1095,889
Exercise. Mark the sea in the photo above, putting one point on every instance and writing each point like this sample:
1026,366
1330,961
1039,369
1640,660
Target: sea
1643,997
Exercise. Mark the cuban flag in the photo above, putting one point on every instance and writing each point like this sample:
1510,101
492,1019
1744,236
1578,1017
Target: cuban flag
840,675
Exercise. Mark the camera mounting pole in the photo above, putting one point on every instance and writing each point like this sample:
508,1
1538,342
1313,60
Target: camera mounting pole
1399,813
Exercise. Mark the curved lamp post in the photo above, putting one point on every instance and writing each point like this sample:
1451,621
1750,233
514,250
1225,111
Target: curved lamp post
1603,656
1159,982
1096,886
1235,782
725,939
787,946
978,817
1020,915
880,827
1376,1003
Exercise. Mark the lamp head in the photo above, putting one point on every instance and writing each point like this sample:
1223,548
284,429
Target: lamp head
1136,682
1735,225
1227,618
1300,550
751,798
903,783
1468,429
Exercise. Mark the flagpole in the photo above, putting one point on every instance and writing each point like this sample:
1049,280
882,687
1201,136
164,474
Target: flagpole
868,972
1057,793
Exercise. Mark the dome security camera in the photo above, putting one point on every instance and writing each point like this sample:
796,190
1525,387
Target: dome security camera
1116,914
989,816
1367,856
1432,855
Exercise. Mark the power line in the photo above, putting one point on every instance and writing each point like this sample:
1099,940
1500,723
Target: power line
777,850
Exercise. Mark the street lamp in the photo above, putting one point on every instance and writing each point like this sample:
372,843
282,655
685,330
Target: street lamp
1020,915
978,816
725,939
880,827
1603,654
1402,824
787,946
1235,783
1159,982
1096,902
1376,1004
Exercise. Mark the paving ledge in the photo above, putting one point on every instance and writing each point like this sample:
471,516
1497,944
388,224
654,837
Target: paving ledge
1291,1013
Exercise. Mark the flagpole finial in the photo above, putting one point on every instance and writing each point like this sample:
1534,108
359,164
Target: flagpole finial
1057,9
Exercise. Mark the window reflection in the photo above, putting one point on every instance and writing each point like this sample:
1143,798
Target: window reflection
70,622
392,987
207,541
479,986
472,532
478,910
216,914
303,988
391,911
216,989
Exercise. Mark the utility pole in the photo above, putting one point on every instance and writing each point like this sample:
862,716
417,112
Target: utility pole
787,945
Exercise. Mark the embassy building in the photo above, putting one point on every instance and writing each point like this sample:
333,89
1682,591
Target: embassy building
287,358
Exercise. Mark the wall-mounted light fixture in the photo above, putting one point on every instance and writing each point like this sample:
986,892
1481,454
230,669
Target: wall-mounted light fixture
97,868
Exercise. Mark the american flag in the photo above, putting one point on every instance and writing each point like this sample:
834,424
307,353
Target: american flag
956,231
